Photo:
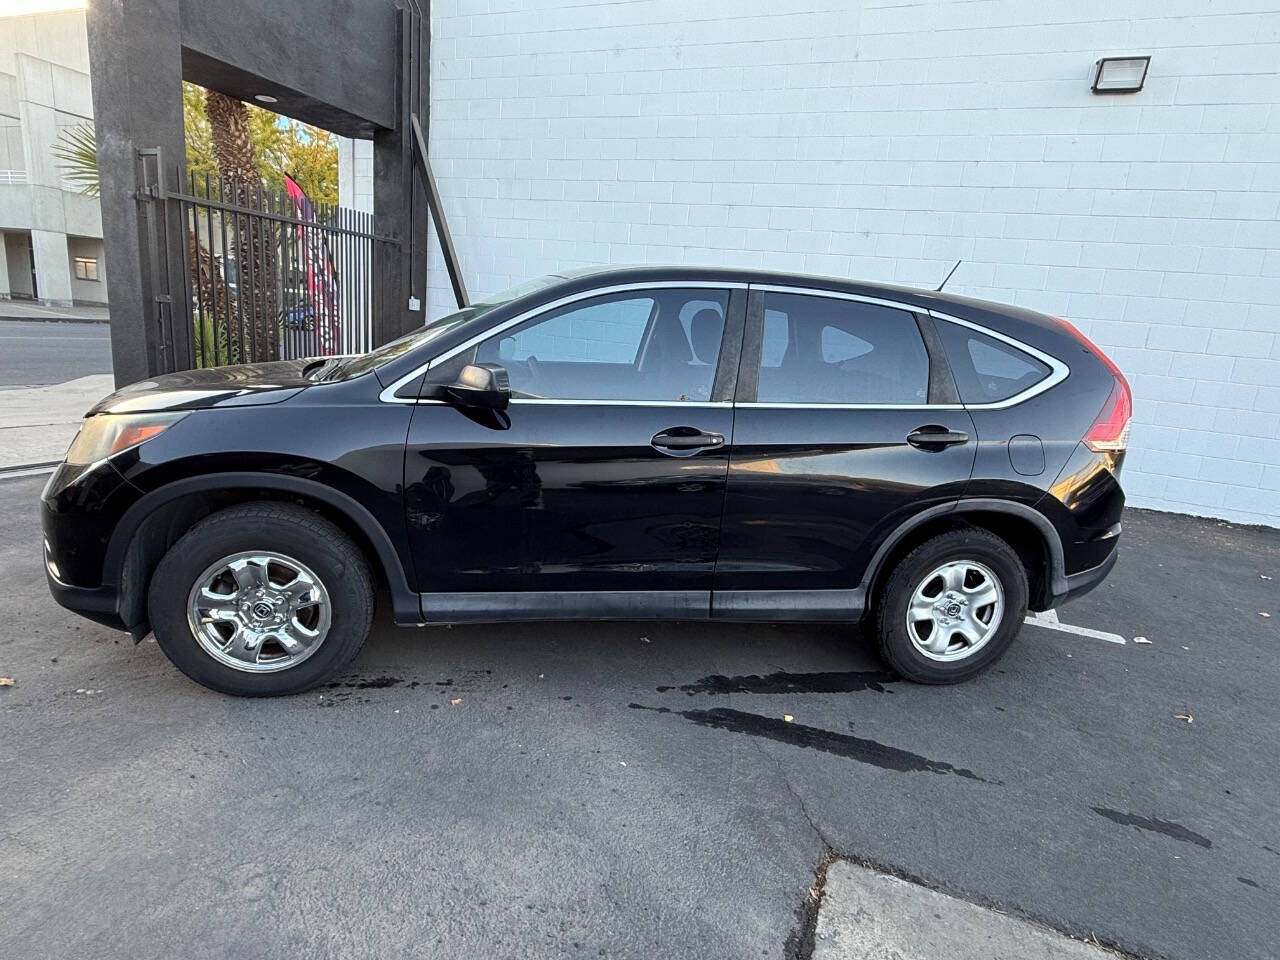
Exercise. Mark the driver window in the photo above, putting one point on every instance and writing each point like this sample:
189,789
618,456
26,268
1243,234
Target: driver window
658,345
608,332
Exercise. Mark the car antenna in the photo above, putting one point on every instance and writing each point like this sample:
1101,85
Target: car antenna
948,276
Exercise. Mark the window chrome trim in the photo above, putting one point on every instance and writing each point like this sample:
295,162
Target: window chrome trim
559,402
388,395
1058,371
563,402
835,295
786,405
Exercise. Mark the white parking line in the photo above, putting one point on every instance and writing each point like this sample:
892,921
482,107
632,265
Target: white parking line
1049,619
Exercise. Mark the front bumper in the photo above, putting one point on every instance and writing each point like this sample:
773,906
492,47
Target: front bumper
99,604
79,509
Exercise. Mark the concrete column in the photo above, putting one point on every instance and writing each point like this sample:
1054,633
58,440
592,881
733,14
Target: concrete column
6,292
135,50
53,267
399,200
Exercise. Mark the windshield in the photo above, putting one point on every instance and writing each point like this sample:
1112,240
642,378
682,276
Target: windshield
432,330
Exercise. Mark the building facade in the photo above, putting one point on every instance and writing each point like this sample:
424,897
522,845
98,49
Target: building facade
50,232
886,140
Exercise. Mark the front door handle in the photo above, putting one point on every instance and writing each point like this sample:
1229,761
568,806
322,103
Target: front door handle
934,437
686,439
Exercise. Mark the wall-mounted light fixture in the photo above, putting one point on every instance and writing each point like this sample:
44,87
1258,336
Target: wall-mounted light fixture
265,98
1120,74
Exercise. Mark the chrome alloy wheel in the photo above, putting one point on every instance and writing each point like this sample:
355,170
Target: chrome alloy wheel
258,611
955,610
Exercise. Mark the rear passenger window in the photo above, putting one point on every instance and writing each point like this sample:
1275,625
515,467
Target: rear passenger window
774,346
819,349
988,370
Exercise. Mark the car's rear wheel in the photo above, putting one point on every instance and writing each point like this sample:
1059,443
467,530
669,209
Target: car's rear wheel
951,607
262,599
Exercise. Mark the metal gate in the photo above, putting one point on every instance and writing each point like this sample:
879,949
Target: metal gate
244,274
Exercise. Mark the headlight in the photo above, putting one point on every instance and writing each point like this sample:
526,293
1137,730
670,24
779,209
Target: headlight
109,433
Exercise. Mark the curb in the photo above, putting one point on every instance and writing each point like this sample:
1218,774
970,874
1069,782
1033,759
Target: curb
18,471
14,319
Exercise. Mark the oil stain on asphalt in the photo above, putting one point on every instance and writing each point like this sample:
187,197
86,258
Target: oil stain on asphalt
1167,827
815,738
848,681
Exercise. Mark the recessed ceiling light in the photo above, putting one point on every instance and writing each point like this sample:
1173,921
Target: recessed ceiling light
265,98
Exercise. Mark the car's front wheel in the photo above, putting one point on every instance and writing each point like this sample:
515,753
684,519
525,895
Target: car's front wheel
262,599
952,606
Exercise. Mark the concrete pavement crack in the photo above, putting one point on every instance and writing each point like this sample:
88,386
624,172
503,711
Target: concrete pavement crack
799,944
795,795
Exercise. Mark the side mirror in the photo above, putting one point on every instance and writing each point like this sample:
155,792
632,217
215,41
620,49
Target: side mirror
481,385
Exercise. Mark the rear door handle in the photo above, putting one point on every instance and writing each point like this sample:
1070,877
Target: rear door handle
934,437
686,438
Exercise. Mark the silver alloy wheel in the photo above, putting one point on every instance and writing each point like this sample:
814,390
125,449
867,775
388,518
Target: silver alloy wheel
954,610
259,611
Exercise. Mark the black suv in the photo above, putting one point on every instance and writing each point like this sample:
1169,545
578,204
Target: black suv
616,444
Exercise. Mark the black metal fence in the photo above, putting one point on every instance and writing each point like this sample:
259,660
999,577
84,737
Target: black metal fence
265,275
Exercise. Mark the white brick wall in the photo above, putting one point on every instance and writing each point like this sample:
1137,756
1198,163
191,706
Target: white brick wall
355,174
884,139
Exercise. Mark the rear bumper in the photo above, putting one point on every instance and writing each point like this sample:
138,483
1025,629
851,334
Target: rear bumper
1078,584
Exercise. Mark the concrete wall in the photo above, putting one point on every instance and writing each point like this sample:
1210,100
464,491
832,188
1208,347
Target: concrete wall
340,54
44,91
57,37
884,140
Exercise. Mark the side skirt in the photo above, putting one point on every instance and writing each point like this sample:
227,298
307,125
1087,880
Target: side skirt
759,606
491,607
774,606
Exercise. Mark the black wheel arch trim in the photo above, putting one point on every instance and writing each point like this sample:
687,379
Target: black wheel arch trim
405,603
1057,563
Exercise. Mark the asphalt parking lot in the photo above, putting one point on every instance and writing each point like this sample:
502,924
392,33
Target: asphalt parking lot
635,790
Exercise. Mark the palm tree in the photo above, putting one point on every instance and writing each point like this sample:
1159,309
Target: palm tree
77,148
254,239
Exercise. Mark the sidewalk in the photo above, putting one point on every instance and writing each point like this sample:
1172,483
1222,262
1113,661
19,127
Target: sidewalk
867,915
37,424
22,310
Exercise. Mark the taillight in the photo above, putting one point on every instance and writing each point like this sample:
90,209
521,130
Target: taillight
1110,432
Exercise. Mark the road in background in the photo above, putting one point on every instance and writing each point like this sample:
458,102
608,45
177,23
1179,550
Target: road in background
35,353
637,790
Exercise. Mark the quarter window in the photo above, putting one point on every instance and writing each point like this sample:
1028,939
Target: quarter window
819,349
988,370
655,345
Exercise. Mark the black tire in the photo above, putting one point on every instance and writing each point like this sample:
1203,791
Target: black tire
283,528
896,646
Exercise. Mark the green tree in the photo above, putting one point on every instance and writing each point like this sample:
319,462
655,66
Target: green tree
77,150
278,146
246,146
